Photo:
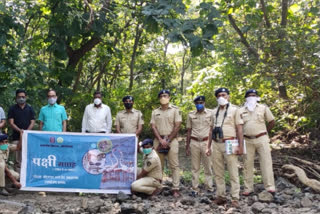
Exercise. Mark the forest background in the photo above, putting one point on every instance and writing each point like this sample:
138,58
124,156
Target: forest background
191,47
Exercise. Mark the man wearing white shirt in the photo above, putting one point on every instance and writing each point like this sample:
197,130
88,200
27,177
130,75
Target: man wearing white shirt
97,116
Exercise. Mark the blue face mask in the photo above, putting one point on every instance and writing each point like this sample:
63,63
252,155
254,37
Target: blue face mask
4,147
147,151
199,107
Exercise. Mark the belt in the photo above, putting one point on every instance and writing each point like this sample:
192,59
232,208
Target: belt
257,136
225,139
199,139
95,132
163,136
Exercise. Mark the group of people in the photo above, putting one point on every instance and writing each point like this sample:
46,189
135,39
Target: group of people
207,132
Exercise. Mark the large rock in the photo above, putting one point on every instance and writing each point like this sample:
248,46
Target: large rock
282,183
205,200
265,196
12,207
257,207
306,202
188,201
94,205
121,197
127,208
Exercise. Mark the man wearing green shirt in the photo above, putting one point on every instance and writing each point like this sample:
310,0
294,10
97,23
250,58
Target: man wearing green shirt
53,117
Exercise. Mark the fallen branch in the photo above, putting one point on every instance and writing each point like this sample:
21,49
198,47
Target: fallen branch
313,165
312,183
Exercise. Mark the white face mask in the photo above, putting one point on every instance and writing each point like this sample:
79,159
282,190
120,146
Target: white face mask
97,101
222,101
251,103
52,100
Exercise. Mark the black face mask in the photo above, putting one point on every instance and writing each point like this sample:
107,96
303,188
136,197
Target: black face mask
128,105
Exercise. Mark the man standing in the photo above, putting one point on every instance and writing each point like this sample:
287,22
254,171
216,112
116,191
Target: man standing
2,119
255,116
150,177
97,116
129,120
198,125
21,117
165,123
227,125
53,117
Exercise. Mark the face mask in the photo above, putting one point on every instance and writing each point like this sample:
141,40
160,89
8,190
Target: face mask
128,105
199,107
4,147
147,151
21,100
52,100
222,101
97,101
164,100
251,103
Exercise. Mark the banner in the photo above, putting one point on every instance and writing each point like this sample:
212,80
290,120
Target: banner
78,162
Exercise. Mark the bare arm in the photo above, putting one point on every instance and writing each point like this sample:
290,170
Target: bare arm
41,126
13,126
32,122
240,138
208,152
64,125
2,123
118,130
270,125
139,130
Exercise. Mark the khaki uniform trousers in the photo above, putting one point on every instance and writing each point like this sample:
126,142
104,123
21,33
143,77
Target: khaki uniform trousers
219,157
198,155
261,145
145,185
3,157
173,158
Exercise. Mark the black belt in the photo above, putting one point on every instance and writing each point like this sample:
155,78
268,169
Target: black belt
96,132
257,136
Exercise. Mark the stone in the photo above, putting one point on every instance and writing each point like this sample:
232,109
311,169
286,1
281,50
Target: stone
188,201
121,197
257,207
104,209
205,200
265,196
84,203
94,205
127,208
268,210
306,202
282,183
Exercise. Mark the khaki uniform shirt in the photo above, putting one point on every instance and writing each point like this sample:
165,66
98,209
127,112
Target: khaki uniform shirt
4,154
129,122
199,123
231,120
152,164
166,119
255,122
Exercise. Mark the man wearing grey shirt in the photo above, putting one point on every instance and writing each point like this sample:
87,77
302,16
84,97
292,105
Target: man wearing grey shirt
2,119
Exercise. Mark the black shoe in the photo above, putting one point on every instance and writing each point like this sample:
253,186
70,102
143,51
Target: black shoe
3,192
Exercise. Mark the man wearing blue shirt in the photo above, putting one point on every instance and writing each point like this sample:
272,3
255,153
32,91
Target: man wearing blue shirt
53,117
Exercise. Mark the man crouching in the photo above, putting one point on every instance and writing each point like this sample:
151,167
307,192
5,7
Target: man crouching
150,176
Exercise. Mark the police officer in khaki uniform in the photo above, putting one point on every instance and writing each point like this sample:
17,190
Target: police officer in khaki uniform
198,126
4,153
227,125
129,120
255,116
150,177
165,123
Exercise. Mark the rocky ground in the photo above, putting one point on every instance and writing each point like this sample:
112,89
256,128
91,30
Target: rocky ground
289,199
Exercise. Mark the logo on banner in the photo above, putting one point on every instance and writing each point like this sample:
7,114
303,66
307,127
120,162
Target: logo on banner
52,140
60,140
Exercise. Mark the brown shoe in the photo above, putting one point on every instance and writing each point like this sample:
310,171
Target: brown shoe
235,204
156,192
220,200
176,193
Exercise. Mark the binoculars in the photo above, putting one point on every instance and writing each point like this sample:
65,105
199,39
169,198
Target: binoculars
217,133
